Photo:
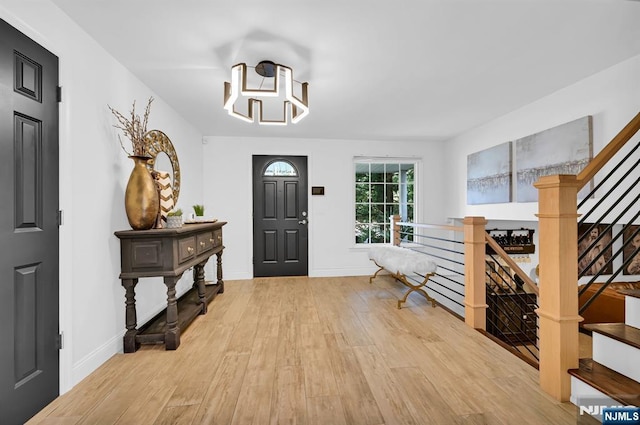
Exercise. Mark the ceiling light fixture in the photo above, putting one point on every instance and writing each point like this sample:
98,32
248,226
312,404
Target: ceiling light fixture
294,100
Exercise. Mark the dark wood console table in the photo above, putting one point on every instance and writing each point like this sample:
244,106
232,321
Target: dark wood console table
169,253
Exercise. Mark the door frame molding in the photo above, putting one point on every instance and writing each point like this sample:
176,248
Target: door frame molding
309,209
65,182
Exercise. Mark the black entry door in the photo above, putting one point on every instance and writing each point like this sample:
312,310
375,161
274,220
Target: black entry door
29,358
280,234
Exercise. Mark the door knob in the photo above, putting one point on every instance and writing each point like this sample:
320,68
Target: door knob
303,221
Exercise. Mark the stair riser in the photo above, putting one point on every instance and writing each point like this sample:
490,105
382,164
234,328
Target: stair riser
616,355
632,311
583,394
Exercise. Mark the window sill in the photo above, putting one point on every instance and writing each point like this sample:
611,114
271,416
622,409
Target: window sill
365,246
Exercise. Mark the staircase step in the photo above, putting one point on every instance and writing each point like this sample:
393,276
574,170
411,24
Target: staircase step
618,331
617,346
620,388
630,292
631,307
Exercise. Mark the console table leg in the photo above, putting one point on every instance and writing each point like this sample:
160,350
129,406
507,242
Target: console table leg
219,270
129,341
198,282
172,334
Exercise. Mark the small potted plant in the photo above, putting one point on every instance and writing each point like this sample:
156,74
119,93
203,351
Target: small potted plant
174,219
199,210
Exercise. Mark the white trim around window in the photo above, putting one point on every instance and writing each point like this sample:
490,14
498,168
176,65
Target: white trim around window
381,187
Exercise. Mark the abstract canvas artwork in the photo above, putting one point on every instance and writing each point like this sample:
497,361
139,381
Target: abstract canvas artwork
489,174
565,149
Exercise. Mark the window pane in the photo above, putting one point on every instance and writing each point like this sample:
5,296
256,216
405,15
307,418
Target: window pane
392,173
362,233
377,213
410,213
377,193
362,172
409,190
377,172
362,192
377,233
409,172
392,193
392,209
280,168
362,213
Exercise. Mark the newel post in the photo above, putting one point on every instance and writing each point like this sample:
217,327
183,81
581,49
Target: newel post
475,296
558,299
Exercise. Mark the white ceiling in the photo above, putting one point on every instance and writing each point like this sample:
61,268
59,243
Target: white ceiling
377,70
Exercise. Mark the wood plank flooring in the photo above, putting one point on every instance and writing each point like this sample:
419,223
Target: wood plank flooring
315,351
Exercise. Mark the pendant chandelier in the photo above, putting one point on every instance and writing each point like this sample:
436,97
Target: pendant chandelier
276,105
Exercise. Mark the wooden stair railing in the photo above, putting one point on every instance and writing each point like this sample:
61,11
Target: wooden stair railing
514,266
494,303
608,152
558,300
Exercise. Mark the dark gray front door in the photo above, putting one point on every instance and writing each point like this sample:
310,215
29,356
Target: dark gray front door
29,358
280,234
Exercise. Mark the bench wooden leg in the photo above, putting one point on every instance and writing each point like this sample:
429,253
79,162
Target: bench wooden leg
376,273
414,288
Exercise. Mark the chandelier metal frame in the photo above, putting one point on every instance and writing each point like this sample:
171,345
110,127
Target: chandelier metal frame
237,89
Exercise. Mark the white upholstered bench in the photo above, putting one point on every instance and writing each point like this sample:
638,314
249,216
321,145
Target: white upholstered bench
402,262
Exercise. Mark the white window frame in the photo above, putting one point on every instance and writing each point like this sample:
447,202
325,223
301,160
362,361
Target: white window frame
385,160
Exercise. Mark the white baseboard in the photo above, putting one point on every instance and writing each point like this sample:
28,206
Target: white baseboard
95,359
235,276
361,271
92,361
358,271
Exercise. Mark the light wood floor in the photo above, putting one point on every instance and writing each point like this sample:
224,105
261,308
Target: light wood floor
324,351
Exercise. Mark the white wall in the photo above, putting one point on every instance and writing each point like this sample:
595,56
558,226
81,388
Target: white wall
332,252
93,174
612,97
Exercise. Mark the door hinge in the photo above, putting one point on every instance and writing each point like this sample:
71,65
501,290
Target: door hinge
59,94
60,218
60,340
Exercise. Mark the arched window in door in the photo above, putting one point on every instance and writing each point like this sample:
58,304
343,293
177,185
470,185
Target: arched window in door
280,169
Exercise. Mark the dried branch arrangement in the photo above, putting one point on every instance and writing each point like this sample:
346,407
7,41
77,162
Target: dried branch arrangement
134,128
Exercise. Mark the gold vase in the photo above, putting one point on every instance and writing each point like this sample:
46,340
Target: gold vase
141,200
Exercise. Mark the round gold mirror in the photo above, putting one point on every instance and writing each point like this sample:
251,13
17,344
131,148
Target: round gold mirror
162,154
